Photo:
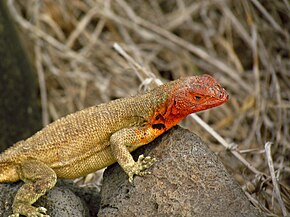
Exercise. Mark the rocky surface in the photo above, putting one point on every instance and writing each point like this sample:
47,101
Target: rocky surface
64,200
187,180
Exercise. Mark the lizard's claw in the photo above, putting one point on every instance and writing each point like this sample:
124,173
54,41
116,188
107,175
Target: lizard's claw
14,215
141,164
38,212
41,212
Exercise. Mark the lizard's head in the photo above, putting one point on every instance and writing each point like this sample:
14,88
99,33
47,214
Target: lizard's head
198,93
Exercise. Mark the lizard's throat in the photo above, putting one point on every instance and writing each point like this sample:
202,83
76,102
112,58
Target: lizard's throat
168,116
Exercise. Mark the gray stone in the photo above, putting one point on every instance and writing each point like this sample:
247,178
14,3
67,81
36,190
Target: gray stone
187,180
20,111
64,200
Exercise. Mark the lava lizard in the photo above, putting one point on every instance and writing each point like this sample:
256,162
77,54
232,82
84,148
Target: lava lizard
98,136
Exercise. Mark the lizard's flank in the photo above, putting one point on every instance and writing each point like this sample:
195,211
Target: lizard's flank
99,136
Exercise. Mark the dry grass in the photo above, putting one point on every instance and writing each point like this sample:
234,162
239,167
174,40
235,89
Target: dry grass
244,44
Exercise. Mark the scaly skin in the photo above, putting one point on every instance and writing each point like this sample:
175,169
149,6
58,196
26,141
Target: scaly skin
97,137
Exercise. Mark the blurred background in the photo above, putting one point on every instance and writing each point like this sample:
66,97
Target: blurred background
243,44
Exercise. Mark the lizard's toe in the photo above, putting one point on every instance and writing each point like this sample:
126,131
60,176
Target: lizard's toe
138,167
14,215
37,214
145,162
31,211
41,212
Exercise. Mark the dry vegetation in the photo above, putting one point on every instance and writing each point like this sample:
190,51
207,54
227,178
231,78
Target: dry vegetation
244,44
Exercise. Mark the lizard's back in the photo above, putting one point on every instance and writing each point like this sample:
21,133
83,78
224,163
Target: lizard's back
63,144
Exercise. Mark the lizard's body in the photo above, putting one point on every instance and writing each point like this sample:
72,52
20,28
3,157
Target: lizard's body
68,143
97,137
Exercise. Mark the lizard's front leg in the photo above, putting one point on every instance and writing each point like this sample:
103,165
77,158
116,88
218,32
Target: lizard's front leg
128,139
38,178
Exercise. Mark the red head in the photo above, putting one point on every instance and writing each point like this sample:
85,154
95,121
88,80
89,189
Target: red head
188,95
197,93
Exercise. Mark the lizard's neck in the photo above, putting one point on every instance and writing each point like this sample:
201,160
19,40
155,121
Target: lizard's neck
169,115
165,114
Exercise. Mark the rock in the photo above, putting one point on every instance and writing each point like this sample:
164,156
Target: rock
90,195
20,109
187,180
65,200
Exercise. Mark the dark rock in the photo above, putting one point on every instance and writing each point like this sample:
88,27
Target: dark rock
7,193
64,200
90,195
187,180
20,111
61,201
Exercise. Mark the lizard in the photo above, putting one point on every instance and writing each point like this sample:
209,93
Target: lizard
98,136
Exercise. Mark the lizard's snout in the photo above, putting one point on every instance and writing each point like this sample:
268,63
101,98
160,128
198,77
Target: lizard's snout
222,94
218,92
214,88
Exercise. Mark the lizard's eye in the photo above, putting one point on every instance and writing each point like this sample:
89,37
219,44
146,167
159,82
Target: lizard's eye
197,98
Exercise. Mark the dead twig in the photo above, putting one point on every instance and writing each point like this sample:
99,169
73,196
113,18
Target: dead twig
274,179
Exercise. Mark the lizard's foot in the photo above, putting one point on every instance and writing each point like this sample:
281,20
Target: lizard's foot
33,212
141,164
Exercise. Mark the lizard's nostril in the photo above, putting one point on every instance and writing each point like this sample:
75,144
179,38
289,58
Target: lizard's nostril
224,94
